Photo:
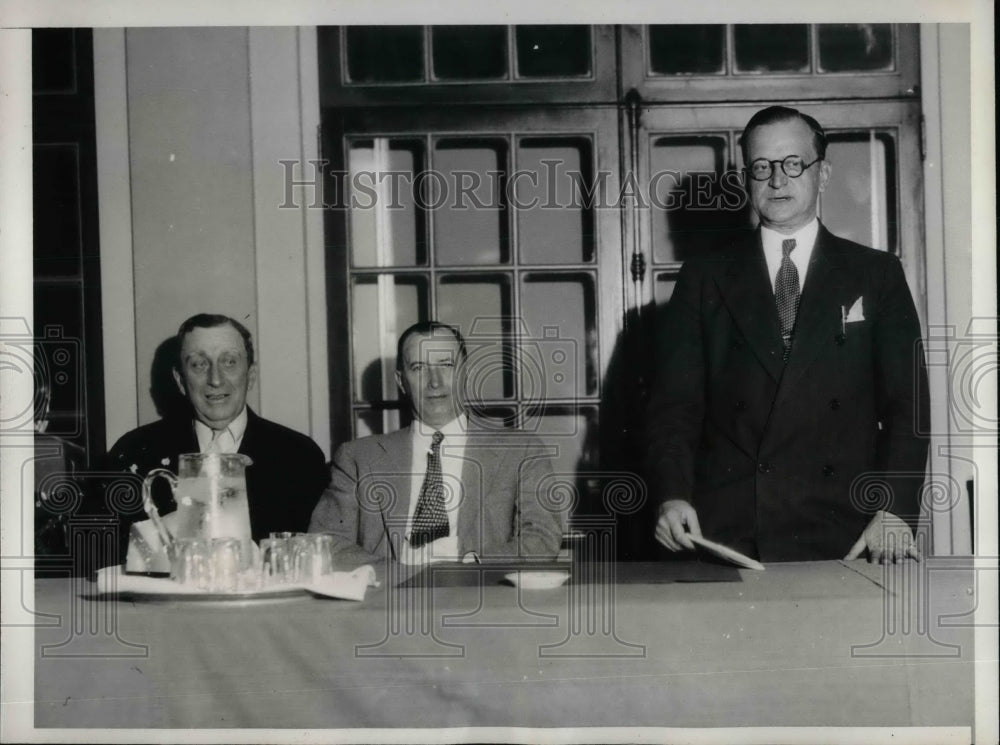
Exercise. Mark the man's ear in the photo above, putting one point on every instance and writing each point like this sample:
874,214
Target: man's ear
399,383
825,168
251,376
180,381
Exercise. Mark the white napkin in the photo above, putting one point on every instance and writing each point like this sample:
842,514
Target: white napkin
345,585
146,552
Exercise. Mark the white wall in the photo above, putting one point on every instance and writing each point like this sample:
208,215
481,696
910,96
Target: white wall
945,77
207,114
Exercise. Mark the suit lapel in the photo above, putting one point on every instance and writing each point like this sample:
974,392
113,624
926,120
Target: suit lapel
746,291
185,439
248,445
818,319
395,465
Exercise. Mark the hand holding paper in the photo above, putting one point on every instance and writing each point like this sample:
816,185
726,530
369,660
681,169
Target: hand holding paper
675,515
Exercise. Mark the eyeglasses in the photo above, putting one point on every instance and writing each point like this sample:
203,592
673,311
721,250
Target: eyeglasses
792,166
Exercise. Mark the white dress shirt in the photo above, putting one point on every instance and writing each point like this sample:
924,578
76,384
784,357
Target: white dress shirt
227,441
805,241
452,460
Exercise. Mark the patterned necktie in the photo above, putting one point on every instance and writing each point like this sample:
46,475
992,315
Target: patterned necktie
430,521
786,294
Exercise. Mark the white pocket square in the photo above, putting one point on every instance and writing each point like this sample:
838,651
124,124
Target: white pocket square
856,313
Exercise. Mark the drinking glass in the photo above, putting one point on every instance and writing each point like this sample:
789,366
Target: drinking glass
276,559
227,560
192,566
312,556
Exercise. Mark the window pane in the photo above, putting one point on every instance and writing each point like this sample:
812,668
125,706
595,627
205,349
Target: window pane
469,52
378,421
385,54
560,350
663,287
767,47
855,46
557,228
382,177
570,430
53,61
466,196
480,306
57,247
553,51
382,308
863,167
694,200
695,48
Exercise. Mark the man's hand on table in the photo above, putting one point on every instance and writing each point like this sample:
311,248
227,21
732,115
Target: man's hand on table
675,514
887,539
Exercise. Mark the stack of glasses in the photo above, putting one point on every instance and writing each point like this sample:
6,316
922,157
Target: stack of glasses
228,565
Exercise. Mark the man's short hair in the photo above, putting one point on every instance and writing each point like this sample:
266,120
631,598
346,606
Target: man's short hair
775,114
428,328
211,321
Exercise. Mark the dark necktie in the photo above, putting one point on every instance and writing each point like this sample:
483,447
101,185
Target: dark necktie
786,294
430,521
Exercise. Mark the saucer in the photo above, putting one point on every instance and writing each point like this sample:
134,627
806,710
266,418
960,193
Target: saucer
537,580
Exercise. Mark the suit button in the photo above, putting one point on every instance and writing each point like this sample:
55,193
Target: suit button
741,405
834,404
828,471
763,468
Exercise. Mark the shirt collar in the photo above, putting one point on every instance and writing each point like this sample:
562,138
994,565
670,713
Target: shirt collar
805,237
237,428
457,427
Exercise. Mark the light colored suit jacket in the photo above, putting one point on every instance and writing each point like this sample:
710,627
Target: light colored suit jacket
505,512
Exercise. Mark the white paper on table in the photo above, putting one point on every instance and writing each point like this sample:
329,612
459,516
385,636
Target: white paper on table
345,585
724,552
146,552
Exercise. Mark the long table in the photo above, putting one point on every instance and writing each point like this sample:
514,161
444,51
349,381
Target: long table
807,644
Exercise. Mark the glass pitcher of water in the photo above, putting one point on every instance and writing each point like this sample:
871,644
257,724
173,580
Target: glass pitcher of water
211,494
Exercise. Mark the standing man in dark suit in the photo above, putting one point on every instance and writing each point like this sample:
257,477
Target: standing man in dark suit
442,488
790,378
214,371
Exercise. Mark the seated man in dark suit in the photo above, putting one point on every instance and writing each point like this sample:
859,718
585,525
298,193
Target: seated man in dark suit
214,371
443,488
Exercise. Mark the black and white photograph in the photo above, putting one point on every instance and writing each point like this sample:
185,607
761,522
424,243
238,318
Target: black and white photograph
494,373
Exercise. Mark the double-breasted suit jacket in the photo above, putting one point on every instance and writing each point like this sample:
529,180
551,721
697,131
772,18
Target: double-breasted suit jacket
504,510
788,461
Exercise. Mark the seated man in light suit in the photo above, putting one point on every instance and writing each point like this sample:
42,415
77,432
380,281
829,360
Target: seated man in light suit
214,371
441,489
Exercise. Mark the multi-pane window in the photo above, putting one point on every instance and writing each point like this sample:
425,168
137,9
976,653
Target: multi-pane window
488,167
493,233
433,54
768,48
